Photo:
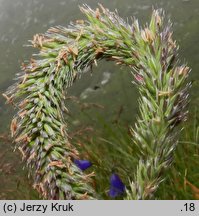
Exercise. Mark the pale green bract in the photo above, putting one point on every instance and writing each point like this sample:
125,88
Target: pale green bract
39,128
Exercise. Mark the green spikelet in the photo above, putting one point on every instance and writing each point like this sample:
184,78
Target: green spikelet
64,53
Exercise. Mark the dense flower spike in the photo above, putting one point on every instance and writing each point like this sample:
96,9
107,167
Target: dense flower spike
117,187
39,127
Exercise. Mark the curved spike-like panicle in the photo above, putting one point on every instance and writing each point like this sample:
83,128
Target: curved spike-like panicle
64,53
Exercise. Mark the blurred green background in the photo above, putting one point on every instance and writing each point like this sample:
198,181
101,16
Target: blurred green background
104,104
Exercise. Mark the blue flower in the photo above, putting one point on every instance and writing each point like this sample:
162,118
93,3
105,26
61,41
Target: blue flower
82,164
117,187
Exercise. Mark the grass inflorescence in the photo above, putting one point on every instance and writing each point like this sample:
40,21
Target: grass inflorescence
39,127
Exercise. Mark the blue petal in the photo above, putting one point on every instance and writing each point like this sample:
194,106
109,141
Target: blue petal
82,164
117,184
113,192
